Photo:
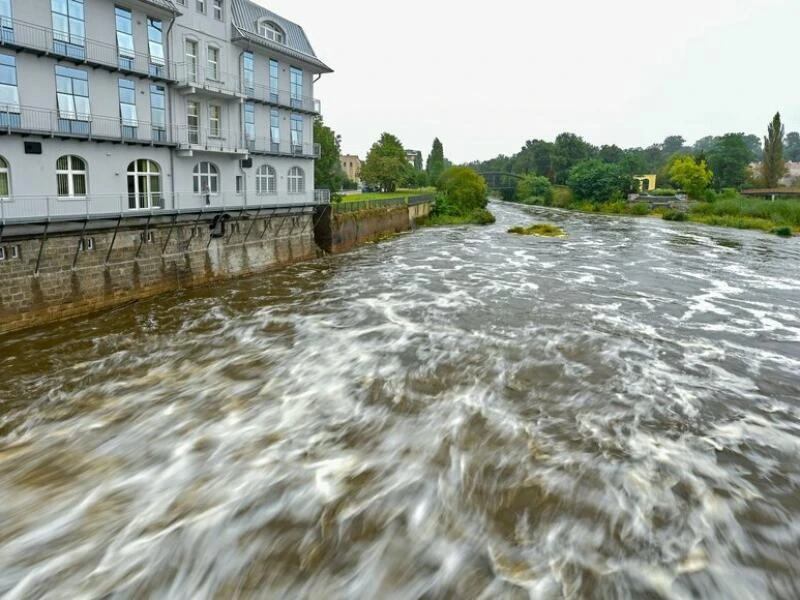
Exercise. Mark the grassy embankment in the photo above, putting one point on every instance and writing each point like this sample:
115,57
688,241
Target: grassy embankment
728,209
401,193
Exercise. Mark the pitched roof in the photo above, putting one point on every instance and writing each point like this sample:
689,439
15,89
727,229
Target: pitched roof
247,14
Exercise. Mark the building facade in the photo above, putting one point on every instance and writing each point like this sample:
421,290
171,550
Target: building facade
351,166
132,106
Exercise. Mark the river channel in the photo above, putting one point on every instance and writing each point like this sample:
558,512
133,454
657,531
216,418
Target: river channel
452,413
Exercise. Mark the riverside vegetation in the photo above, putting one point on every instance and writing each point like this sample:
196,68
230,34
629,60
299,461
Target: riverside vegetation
541,229
461,198
571,173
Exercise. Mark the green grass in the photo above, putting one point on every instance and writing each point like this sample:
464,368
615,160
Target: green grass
477,217
404,193
544,229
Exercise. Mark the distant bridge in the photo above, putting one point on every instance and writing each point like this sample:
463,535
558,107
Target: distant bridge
499,180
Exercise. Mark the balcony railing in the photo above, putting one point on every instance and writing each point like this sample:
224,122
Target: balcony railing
26,119
21,35
216,82
20,209
263,145
322,196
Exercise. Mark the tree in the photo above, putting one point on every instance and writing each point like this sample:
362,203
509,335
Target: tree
386,164
704,145
728,160
327,168
435,163
612,155
598,181
464,189
753,143
693,177
536,156
791,147
568,150
772,165
418,161
535,186
672,144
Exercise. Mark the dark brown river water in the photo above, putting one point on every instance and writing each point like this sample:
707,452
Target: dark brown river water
454,413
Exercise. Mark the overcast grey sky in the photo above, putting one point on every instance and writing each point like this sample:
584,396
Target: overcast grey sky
485,77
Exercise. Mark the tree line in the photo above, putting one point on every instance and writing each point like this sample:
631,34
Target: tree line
727,159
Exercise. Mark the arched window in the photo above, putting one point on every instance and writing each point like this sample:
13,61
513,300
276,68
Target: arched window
266,180
5,187
297,181
144,184
206,178
71,176
269,30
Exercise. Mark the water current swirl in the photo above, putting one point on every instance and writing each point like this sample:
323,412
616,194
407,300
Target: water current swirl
454,413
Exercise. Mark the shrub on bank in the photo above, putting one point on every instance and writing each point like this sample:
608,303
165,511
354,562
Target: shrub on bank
543,229
674,215
462,198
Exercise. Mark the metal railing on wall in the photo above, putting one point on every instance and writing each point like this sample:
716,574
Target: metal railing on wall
359,205
17,209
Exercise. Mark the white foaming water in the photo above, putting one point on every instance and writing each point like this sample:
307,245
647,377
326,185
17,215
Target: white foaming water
453,413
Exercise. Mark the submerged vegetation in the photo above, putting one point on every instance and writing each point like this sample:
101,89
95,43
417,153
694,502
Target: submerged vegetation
542,229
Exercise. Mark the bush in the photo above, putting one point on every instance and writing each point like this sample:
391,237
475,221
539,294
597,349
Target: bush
674,215
640,208
535,186
465,189
481,216
784,231
562,196
545,229
598,181
663,192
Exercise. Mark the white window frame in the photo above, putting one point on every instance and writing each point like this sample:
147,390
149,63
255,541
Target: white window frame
204,174
266,180
71,172
200,6
5,173
216,9
215,120
191,59
212,66
144,199
296,180
271,31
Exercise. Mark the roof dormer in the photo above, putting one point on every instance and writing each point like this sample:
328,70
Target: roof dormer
271,31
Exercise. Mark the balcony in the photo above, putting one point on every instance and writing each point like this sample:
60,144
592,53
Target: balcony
204,139
37,121
193,79
29,209
42,41
263,145
281,98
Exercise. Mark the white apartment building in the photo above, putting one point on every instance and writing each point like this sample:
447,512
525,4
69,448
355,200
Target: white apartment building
132,106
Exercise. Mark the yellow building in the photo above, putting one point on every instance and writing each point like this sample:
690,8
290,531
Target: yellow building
646,182
351,165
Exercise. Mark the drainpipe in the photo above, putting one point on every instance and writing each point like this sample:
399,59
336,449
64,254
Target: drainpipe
170,114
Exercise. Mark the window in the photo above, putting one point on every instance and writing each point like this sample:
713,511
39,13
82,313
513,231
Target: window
214,120
249,123
144,184
271,31
4,183
206,178
72,91
127,108
266,180
297,134
71,177
273,80
124,37
297,181
200,5
216,9
275,129
9,93
158,112
86,244
296,87
248,76
212,54
191,61
155,44
69,29
193,121
6,25
239,184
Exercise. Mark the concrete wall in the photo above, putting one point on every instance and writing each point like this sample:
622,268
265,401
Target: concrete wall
351,229
73,281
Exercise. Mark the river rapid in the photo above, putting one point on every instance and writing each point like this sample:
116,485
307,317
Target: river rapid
453,413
